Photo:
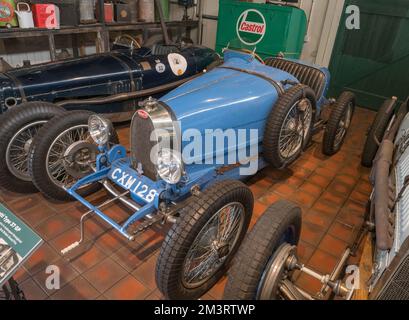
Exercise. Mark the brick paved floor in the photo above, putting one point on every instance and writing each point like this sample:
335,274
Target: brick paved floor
331,191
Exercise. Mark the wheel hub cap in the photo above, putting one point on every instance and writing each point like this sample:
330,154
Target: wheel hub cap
78,157
275,272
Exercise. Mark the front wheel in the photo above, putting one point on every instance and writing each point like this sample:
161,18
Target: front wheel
338,123
64,154
259,267
201,244
18,128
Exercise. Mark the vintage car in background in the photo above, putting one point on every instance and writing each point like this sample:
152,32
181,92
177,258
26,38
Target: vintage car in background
265,264
160,181
112,84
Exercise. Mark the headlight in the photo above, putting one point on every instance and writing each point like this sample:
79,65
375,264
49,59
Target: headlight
99,129
169,166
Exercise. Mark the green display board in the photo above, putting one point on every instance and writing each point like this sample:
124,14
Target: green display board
268,28
17,243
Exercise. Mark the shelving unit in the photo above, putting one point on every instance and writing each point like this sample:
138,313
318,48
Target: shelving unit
102,30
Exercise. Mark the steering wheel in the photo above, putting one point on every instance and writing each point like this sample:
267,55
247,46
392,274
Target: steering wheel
255,55
132,41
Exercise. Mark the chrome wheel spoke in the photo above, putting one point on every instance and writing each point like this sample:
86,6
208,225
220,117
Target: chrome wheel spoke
17,150
213,244
62,162
294,130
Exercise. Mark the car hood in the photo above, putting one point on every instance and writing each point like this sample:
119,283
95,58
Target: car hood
230,96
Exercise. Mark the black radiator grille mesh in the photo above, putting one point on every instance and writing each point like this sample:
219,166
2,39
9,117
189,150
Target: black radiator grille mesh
141,146
397,287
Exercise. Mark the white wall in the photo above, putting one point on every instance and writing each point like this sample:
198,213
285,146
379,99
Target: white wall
323,17
210,7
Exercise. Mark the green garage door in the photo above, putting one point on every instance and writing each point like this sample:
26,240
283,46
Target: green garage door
373,62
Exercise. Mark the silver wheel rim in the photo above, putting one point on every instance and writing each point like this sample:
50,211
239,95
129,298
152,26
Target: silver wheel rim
213,245
17,150
295,129
343,126
56,161
275,273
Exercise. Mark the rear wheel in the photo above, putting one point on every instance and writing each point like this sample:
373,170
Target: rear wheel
64,154
259,267
338,123
377,131
200,245
18,128
289,126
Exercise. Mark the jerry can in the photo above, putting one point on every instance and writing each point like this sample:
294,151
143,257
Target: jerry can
8,17
25,16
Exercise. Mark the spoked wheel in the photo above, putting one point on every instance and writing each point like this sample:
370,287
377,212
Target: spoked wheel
262,264
289,126
71,156
18,147
295,129
18,127
339,123
213,244
64,154
199,247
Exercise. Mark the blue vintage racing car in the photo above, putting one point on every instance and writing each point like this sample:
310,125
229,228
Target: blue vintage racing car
179,170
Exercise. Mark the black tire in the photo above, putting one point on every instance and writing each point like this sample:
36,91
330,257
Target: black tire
376,132
259,246
180,238
39,150
330,145
10,123
275,121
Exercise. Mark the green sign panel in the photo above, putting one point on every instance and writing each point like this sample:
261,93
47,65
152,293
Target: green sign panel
268,28
17,243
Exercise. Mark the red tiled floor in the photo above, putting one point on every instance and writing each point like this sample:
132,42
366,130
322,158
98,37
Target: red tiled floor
42,258
322,261
128,289
67,274
332,192
32,290
55,225
88,259
105,274
78,289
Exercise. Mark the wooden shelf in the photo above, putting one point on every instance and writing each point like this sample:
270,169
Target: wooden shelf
101,28
36,32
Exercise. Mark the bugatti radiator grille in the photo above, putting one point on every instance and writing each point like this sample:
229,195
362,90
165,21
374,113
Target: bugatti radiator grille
152,129
141,146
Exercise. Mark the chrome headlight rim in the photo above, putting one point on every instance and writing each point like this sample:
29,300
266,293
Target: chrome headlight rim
100,129
169,166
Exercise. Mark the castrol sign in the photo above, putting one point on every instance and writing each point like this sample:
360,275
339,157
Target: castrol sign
251,27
